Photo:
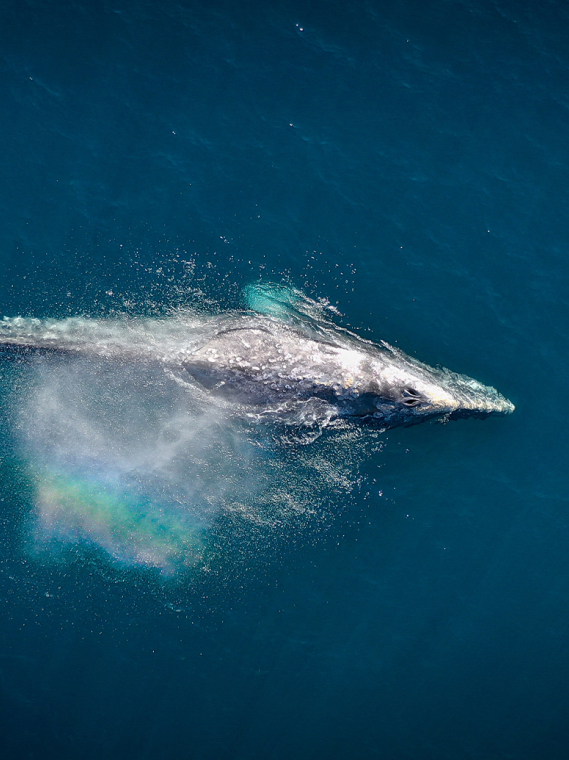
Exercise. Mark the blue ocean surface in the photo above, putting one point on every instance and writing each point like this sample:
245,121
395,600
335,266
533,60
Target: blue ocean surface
174,587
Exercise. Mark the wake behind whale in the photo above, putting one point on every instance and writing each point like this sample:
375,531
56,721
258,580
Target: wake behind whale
171,443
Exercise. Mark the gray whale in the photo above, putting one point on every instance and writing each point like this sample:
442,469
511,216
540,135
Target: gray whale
278,360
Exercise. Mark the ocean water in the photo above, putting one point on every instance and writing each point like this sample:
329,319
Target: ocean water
172,586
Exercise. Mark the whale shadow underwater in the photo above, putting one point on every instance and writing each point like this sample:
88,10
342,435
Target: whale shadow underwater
280,359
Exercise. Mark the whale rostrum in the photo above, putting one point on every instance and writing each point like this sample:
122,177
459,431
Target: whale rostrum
273,362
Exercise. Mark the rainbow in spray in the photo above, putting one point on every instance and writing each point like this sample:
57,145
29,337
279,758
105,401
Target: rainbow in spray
130,526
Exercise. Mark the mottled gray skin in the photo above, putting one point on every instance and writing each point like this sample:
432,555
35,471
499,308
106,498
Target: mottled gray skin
266,365
271,363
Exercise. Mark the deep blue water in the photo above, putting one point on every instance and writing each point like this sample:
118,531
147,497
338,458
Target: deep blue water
406,161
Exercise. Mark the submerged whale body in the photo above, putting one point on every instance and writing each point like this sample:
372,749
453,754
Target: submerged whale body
279,359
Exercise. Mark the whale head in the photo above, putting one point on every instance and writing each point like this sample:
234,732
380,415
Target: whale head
404,391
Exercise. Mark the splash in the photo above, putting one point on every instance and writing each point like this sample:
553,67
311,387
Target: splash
154,471
126,460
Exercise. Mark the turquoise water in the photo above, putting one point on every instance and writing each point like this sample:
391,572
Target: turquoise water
175,587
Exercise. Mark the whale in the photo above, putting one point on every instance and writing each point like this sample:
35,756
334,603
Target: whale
280,358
